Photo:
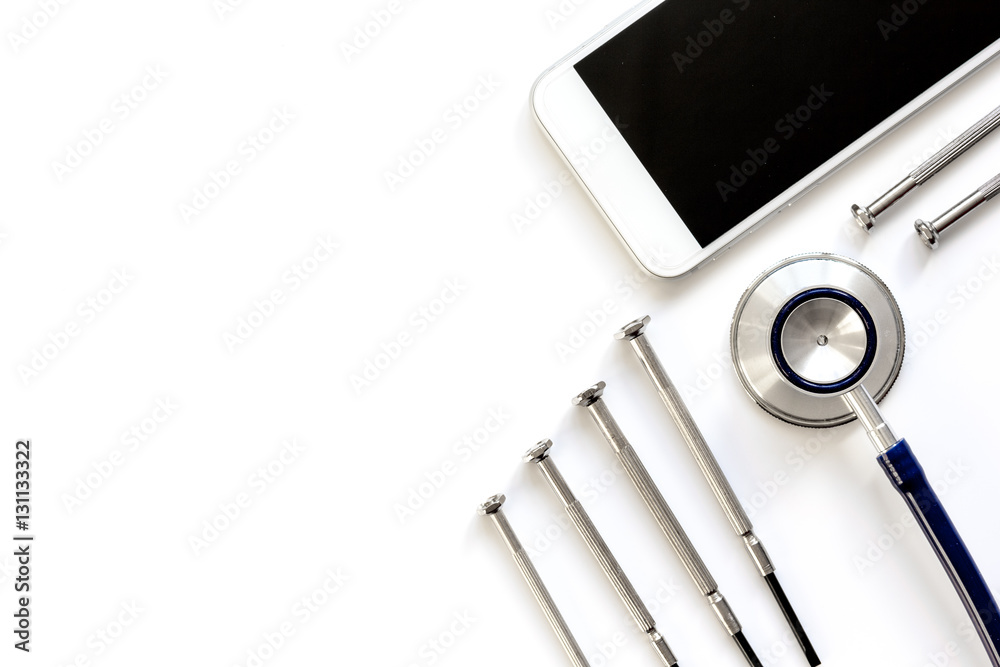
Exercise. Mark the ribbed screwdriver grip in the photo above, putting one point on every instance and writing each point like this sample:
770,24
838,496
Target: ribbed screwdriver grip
610,565
990,189
538,589
667,521
962,143
692,435
548,606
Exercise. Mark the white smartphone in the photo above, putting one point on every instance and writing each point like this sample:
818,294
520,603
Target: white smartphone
690,122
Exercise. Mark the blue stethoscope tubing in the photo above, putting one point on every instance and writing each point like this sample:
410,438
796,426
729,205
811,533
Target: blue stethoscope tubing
907,476
801,281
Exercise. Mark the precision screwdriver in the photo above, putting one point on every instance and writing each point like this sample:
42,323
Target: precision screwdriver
539,455
644,484
633,332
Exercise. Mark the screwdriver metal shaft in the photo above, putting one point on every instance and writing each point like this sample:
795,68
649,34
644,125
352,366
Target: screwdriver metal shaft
539,455
930,232
491,508
634,333
592,400
866,215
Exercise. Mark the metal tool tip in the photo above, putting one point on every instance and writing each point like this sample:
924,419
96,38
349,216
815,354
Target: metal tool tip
744,645
538,452
793,620
864,217
660,646
491,504
632,329
927,233
589,395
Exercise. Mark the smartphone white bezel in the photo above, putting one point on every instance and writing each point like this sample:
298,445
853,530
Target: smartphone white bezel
626,194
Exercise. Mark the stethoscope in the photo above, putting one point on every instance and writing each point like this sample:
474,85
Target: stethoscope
818,339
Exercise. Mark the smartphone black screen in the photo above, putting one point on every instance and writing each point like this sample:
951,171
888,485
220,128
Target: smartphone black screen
727,103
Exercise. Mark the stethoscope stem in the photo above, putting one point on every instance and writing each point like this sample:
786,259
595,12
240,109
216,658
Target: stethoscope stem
864,406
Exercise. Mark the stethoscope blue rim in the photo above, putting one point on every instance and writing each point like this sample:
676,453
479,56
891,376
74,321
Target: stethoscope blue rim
785,368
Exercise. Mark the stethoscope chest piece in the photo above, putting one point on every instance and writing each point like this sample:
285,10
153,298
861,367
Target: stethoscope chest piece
813,327
817,340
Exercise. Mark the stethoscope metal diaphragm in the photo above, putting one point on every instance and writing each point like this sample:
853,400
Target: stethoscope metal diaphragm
812,327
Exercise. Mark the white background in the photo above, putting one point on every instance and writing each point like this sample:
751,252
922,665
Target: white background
524,296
